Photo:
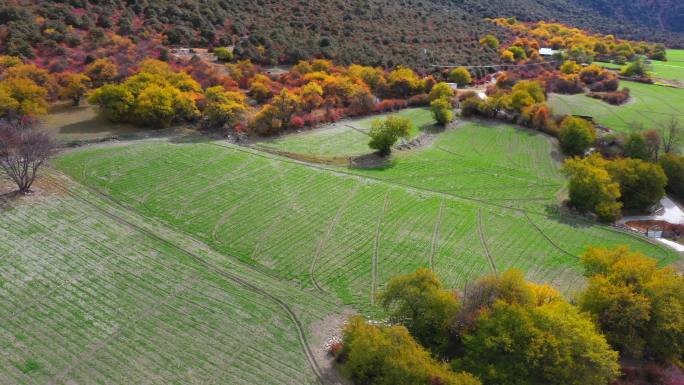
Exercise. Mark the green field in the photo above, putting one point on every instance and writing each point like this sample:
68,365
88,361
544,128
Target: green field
651,105
346,138
96,294
673,69
204,262
349,231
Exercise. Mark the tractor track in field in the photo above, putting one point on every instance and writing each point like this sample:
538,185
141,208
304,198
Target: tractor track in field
551,241
281,213
483,241
177,176
376,249
301,335
335,221
433,191
435,235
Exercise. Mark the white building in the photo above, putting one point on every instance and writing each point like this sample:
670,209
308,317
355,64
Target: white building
548,51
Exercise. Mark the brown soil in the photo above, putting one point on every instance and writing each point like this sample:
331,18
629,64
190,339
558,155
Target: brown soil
321,331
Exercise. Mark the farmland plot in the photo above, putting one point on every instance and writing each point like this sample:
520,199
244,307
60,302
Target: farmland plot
348,231
93,293
348,137
651,106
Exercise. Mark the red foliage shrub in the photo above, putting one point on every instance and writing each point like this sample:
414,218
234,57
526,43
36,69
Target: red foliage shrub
615,97
297,122
419,100
564,84
607,85
390,105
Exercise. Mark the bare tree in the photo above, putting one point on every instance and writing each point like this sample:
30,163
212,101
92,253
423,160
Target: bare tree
23,150
670,135
652,139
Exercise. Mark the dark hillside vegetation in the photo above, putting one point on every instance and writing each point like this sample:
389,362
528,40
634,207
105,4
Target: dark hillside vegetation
633,20
374,32
371,32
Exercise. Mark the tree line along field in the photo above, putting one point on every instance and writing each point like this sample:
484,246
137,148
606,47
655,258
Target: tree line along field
348,137
347,232
94,293
650,105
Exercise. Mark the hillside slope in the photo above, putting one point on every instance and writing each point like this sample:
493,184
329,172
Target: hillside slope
376,32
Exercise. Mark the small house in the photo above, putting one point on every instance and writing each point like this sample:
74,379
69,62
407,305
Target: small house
548,51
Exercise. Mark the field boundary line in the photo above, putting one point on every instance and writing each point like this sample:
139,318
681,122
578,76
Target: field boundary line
301,335
335,221
483,242
435,235
376,250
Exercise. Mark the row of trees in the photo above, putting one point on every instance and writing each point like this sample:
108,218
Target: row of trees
504,330
577,44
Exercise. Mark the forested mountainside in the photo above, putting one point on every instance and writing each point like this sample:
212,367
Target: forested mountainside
661,14
375,32
652,20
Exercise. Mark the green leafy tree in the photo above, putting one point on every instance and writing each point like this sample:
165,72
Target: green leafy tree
223,108
642,184
591,187
635,69
532,88
384,133
439,91
673,166
460,76
442,111
576,135
223,54
490,41
635,147
390,356
418,302
638,306
114,100
548,344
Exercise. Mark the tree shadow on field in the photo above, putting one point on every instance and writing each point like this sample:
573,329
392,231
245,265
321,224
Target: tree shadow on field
373,161
563,215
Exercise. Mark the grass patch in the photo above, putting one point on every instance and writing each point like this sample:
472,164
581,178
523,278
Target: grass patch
349,231
103,295
651,105
345,138
29,366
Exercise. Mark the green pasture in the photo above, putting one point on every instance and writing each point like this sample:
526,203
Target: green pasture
348,231
650,106
93,293
345,138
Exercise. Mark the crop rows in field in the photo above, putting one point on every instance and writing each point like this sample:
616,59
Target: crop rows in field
651,106
493,163
91,297
345,233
